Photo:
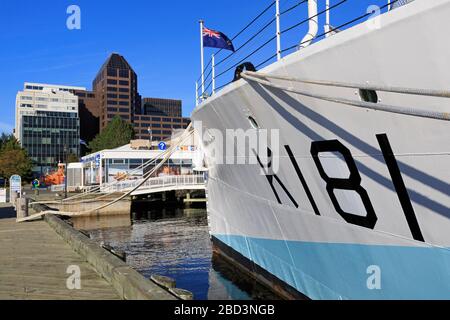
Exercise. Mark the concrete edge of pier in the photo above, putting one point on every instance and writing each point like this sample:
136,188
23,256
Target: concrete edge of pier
129,284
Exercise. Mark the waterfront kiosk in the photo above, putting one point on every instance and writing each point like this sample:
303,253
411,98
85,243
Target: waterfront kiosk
125,163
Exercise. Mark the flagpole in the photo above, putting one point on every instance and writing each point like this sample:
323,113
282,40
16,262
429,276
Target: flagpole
202,57
278,30
196,93
213,66
327,19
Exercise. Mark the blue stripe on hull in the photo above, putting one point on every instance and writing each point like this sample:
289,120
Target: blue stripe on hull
339,271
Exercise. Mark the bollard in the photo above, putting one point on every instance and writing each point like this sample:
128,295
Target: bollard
22,208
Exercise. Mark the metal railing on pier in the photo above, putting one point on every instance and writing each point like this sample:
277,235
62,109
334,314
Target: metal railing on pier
164,183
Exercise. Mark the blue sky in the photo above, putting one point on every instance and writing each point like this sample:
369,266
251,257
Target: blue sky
160,39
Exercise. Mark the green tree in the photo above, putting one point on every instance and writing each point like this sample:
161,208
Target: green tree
4,138
14,159
116,134
71,158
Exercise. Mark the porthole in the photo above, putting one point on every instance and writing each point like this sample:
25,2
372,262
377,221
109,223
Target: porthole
368,95
253,122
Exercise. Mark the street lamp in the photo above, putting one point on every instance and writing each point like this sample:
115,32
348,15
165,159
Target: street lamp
150,132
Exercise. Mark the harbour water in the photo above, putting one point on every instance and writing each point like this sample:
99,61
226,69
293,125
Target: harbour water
174,242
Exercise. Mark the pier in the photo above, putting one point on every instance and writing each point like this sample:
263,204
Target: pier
34,264
50,260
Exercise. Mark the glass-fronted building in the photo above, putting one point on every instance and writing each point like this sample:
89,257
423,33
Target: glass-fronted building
49,137
131,162
48,125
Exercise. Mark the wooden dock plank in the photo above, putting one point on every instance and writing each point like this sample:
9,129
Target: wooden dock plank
34,262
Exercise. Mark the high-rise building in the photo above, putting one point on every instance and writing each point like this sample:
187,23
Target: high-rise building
161,117
90,112
48,124
158,128
116,90
162,107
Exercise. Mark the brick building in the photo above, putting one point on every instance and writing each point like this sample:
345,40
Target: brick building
115,92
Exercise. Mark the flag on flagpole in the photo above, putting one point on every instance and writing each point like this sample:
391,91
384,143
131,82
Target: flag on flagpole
216,39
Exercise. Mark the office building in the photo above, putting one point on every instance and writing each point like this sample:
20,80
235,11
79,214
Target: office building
115,87
90,112
48,124
158,128
115,92
162,107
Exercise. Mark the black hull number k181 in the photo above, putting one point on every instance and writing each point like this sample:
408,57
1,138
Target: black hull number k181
352,183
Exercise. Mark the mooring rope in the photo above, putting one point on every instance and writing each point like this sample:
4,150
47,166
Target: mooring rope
101,190
402,90
362,104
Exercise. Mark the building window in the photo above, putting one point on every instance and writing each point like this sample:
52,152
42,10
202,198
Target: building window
156,119
112,81
112,96
112,72
124,83
123,73
124,103
26,98
111,109
124,96
114,103
124,110
156,125
124,90
112,89
167,126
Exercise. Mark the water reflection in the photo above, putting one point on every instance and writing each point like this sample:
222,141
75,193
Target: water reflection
175,243
95,222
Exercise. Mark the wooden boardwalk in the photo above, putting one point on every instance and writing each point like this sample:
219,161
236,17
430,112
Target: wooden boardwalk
34,262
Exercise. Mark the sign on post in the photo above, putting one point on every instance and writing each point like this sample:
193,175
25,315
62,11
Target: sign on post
15,186
97,161
162,146
36,184
2,195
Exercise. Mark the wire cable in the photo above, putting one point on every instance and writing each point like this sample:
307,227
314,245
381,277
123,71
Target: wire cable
339,27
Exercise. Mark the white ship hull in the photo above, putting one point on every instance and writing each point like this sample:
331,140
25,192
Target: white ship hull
392,251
